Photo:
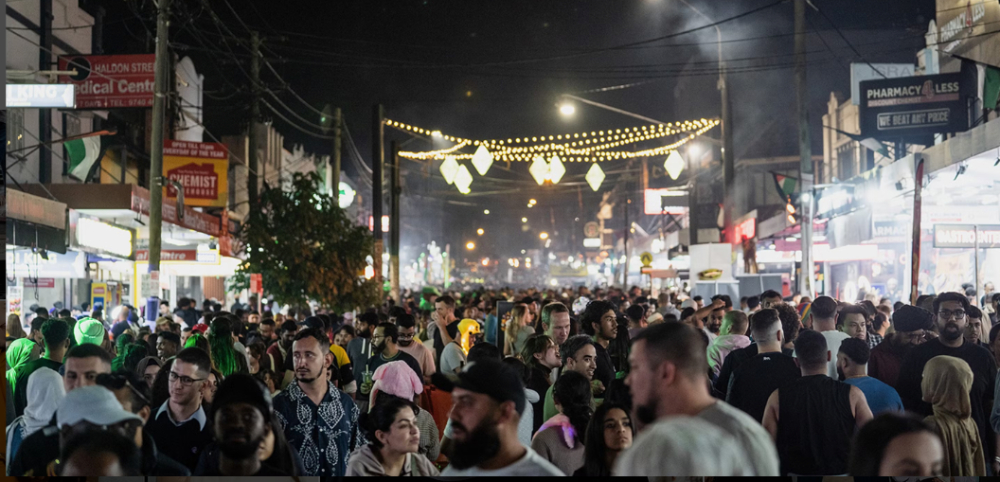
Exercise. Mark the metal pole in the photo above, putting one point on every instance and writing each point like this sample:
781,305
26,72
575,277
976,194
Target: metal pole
378,141
252,161
975,231
628,228
915,250
45,115
160,88
394,227
335,168
805,149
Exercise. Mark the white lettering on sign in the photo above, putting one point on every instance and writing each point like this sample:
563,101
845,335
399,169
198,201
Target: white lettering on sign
911,119
964,236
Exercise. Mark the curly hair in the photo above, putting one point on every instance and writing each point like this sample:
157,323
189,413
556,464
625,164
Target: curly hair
790,322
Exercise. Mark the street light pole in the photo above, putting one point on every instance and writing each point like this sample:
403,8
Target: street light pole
805,150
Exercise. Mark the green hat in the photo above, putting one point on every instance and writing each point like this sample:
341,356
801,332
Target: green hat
88,330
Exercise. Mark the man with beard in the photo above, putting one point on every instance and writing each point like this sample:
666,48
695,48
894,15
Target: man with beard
601,321
974,330
281,352
360,348
951,309
319,421
386,341
180,426
669,377
488,403
886,358
241,422
407,330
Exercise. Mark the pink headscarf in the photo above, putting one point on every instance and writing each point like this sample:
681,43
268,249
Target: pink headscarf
398,379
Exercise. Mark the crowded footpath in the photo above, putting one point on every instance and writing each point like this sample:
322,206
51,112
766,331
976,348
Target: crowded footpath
572,382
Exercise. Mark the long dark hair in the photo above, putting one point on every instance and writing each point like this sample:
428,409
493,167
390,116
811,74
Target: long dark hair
383,415
536,344
595,463
161,385
572,391
871,441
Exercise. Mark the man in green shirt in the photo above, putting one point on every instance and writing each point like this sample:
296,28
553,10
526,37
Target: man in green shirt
55,337
578,355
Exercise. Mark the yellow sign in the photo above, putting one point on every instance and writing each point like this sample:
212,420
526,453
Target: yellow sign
201,168
646,258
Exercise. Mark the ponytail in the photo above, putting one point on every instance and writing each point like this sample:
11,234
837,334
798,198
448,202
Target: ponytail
572,391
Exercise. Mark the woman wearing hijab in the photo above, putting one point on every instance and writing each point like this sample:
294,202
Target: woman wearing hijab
19,352
148,368
45,391
946,384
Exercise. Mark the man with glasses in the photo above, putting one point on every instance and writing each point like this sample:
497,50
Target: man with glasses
386,342
180,426
910,324
951,320
407,330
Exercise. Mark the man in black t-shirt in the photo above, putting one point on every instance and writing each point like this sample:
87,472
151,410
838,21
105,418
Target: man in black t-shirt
950,310
386,339
241,422
753,381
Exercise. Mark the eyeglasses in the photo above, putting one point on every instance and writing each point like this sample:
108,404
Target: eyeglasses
116,381
947,314
185,381
917,335
405,337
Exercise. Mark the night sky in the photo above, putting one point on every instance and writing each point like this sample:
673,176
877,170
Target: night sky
492,69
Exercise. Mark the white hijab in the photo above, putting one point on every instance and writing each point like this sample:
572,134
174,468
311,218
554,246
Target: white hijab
45,391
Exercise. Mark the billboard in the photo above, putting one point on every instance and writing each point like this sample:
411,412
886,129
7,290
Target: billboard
202,168
964,236
915,106
110,81
58,96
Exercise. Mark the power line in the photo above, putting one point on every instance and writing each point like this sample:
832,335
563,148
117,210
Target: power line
848,42
296,126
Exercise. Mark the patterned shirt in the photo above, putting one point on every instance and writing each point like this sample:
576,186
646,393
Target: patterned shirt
874,339
323,435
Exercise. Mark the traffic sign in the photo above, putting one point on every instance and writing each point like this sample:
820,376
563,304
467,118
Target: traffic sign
591,230
646,258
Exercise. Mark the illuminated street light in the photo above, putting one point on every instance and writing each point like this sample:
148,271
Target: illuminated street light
480,231
470,246
567,109
543,235
486,211
532,201
524,220
486,261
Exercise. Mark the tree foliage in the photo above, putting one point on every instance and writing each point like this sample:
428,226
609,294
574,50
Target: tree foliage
306,248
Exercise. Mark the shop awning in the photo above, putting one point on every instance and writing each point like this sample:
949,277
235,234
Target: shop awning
35,221
125,198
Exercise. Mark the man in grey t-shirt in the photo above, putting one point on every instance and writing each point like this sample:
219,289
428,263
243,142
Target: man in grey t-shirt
669,378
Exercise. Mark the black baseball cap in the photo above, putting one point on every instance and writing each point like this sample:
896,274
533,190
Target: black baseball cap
489,377
314,322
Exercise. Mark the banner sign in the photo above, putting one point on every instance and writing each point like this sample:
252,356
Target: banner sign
964,236
915,106
201,168
58,96
110,81
864,71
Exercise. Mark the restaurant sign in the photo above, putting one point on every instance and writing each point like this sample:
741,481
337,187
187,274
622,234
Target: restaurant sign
964,235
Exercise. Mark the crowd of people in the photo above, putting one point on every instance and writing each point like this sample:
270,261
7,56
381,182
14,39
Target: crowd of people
575,382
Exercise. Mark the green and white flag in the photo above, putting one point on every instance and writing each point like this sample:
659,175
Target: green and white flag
83,154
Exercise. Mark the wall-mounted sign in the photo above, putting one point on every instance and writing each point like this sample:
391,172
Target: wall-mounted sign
591,230
592,242
964,236
835,201
110,81
865,71
102,237
665,201
24,263
59,96
201,168
915,106
39,282
746,230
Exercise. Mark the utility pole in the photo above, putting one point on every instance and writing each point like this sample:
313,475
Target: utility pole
335,168
628,229
395,190
45,115
378,155
252,161
160,88
805,151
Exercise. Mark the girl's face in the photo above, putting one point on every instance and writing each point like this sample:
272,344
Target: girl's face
403,436
551,358
150,374
342,339
617,430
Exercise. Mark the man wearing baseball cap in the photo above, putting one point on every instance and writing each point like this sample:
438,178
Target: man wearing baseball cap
86,408
489,400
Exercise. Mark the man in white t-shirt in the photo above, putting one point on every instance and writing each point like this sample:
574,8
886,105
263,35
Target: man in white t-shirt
489,400
824,320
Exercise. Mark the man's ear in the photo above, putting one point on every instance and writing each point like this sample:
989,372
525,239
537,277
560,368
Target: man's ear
828,356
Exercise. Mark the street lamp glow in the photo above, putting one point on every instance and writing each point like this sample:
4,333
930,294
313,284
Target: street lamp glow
436,134
524,220
567,109
543,235
486,211
532,201
470,246
480,231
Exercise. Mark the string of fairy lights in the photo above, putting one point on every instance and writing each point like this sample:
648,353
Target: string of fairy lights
548,154
578,147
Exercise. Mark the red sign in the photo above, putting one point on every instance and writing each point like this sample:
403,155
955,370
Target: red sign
169,255
746,230
256,283
110,81
199,181
40,283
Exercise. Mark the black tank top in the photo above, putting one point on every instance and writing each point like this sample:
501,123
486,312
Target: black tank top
815,426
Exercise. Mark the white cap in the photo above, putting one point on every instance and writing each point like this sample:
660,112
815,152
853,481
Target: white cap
688,303
94,404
